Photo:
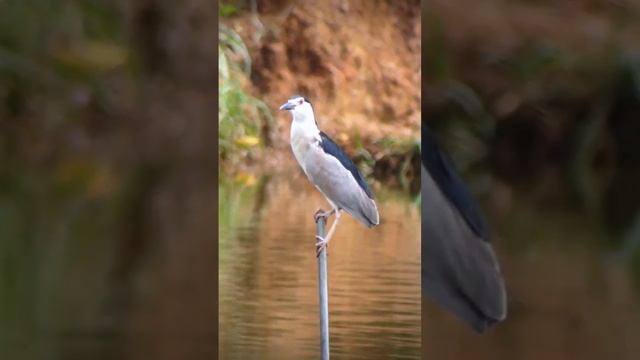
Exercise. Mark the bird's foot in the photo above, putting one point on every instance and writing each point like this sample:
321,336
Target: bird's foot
320,245
322,214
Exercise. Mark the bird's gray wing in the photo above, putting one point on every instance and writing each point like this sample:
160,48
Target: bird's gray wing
331,148
459,269
339,185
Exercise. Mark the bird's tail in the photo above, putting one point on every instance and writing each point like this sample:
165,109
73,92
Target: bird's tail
370,212
363,209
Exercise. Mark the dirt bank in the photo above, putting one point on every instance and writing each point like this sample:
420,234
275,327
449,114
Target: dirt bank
358,62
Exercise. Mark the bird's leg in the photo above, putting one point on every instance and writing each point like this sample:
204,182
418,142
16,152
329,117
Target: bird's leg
323,214
323,242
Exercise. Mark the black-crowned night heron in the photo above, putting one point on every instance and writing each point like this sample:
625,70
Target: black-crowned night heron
459,267
329,169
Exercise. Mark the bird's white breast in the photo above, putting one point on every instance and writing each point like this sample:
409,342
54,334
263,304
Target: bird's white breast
302,138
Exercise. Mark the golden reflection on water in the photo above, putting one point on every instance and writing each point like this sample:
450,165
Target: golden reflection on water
268,279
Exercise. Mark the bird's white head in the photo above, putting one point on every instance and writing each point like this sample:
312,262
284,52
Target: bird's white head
301,109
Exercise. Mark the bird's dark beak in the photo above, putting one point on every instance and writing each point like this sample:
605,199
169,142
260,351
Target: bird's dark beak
287,106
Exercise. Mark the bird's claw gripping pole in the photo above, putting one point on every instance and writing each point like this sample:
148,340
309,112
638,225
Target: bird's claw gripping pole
321,213
323,241
323,293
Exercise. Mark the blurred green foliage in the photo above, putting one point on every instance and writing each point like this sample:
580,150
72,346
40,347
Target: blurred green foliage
242,119
55,202
226,9
50,40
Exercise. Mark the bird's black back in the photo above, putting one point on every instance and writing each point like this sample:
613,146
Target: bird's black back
444,174
331,148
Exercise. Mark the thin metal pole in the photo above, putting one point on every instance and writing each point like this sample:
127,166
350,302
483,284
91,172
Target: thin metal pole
323,294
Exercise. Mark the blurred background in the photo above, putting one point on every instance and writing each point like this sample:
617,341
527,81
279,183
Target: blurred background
359,64
538,104
107,207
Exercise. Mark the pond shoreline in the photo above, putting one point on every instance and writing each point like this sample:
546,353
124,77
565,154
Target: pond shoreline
395,167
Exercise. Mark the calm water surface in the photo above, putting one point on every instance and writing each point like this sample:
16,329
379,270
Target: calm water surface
84,276
268,307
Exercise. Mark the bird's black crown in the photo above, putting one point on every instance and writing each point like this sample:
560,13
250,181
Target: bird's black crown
304,97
